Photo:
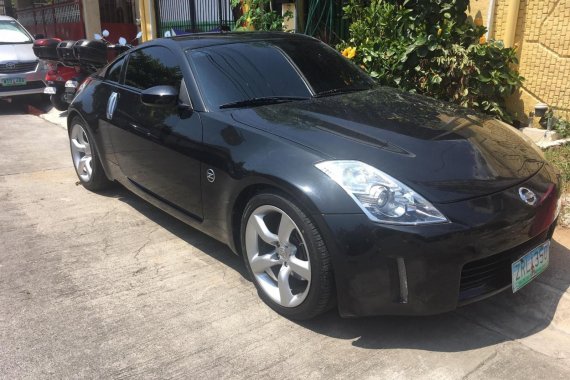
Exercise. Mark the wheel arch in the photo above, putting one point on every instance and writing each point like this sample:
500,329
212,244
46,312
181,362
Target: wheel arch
70,116
284,189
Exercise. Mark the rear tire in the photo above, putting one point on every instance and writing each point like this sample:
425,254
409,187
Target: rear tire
286,257
58,101
85,157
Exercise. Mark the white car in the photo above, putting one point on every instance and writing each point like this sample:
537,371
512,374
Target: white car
21,73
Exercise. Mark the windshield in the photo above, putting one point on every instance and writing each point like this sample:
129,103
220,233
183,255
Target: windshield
237,72
12,33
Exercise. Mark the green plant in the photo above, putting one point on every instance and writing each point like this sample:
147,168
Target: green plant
430,47
258,15
562,127
559,156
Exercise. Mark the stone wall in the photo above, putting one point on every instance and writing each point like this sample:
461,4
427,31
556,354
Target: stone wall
543,45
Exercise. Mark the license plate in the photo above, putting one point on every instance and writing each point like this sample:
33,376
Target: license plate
50,90
533,263
13,82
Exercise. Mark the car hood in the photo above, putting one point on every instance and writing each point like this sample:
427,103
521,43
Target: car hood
17,52
444,152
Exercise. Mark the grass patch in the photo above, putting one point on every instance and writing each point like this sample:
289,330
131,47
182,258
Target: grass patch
560,157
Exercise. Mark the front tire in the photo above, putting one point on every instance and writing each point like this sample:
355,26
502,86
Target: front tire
286,257
85,156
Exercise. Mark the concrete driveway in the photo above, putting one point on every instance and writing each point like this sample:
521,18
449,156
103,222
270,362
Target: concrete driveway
106,286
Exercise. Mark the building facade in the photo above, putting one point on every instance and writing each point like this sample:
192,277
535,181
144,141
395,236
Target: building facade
540,31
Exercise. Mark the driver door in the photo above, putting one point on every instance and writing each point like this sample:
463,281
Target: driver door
157,148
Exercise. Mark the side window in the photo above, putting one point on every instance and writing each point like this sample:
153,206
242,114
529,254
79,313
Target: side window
114,72
153,66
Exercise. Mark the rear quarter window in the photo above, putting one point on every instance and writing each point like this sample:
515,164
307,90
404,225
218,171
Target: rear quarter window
114,72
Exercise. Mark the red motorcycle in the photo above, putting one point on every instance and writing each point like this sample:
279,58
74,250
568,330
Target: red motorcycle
58,73
72,62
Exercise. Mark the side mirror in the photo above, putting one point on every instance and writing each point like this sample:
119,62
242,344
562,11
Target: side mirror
39,36
160,96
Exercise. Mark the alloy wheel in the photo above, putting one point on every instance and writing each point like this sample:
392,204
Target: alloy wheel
81,152
277,255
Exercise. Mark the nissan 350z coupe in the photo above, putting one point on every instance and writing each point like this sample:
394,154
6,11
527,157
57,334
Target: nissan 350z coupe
334,191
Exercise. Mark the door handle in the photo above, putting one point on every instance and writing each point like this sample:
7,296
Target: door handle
111,105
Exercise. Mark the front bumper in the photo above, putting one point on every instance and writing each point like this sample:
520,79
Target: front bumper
35,83
420,270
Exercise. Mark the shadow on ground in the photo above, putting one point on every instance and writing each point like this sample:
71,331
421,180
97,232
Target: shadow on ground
501,318
203,242
18,105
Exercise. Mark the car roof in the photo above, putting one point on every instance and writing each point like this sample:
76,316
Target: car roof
4,18
197,40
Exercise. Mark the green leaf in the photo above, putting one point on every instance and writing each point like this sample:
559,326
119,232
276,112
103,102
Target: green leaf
436,79
421,40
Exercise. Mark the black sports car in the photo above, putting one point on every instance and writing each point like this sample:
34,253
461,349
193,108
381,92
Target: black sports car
333,190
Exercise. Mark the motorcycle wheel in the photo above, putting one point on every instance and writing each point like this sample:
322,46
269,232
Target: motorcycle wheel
58,101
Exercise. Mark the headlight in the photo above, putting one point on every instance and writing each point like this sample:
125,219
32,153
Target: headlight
382,198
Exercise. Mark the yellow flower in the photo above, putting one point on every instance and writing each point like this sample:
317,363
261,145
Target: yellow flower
352,53
439,31
349,52
482,40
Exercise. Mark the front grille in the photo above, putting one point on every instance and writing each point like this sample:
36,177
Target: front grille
18,67
28,86
493,273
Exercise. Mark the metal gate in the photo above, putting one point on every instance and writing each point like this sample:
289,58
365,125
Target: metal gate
63,19
193,16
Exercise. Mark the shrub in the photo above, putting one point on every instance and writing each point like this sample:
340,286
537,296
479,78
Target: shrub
430,47
562,127
258,15
559,156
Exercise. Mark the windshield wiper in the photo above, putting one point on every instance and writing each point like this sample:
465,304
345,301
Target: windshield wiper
262,101
336,91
